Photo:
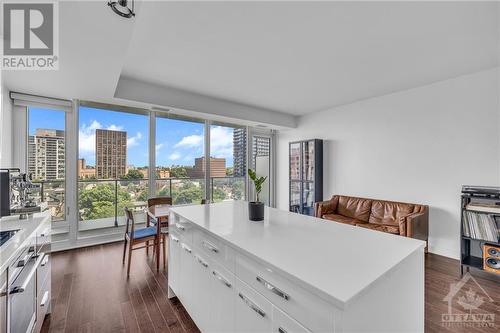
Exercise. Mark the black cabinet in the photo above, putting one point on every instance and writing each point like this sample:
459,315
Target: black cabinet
305,175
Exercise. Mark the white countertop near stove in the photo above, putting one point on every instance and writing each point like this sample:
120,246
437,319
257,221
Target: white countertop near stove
334,259
9,250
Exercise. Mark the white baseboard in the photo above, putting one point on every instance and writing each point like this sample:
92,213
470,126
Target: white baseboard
86,241
444,252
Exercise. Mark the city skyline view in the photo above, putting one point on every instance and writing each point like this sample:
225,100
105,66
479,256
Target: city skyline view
178,142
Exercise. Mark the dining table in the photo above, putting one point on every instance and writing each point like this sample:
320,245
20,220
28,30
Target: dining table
159,214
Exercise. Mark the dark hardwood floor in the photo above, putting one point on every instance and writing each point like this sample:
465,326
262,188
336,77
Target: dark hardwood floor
90,293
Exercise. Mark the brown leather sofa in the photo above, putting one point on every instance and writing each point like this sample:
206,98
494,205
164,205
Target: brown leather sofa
399,218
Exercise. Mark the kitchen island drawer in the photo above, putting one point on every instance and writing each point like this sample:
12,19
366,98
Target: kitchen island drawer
308,309
282,323
43,272
182,227
214,248
43,304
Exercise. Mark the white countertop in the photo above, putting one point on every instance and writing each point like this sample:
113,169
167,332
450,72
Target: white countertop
337,260
9,250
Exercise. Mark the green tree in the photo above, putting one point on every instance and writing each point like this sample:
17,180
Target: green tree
179,171
238,189
218,194
98,201
133,174
188,192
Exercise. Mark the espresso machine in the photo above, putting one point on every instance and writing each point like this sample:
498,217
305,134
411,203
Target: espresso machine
18,194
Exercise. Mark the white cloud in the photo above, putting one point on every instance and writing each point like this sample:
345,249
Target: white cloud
159,146
190,141
86,140
113,127
221,142
134,140
174,156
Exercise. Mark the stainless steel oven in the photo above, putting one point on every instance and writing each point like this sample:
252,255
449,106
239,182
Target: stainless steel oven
21,305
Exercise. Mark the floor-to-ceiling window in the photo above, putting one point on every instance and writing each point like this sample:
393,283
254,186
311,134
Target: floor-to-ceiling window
228,166
261,163
46,153
113,159
180,161
92,160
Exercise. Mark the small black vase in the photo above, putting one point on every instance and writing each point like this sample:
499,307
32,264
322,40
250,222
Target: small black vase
256,211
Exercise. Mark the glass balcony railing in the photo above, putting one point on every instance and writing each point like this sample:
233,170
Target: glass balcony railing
182,190
227,188
101,203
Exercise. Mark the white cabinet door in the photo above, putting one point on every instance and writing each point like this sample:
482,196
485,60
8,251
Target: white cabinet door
186,294
202,294
173,262
282,323
222,290
253,313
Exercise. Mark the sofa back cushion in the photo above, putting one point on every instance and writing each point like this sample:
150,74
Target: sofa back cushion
387,212
356,208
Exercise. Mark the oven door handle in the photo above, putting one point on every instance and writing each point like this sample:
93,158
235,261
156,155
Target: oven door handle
24,285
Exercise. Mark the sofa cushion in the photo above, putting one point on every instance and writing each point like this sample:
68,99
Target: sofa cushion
392,229
387,212
342,219
356,208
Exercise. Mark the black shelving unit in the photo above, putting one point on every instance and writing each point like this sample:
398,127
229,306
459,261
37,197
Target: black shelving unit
471,248
305,175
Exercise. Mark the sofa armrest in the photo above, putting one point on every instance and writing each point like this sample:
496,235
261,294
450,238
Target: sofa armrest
325,207
415,225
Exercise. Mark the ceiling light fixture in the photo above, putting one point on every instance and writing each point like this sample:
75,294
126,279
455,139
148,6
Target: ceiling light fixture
121,8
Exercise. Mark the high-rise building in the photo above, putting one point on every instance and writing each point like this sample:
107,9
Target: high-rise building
239,152
110,153
46,154
260,146
217,167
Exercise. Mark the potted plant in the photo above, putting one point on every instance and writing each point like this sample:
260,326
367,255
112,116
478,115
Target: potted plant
256,208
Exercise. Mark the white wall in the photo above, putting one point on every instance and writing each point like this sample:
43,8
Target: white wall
419,145
5,128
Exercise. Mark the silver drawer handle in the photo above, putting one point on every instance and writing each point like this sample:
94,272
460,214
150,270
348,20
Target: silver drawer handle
204,264
44,298
180,226
282,330
175,239
45,260
221,279
273,289
24,285
210,246
252,305
187,249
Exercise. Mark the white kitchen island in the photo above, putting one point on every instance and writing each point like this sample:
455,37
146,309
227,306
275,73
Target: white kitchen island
292,273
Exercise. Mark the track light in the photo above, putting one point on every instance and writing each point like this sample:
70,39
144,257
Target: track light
121,8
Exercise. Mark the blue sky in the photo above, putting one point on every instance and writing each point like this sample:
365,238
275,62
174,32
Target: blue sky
177,142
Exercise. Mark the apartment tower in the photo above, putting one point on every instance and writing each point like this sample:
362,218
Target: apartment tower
46,157
239,152
110,153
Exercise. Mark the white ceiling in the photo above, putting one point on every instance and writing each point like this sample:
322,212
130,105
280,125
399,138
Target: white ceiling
292,57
